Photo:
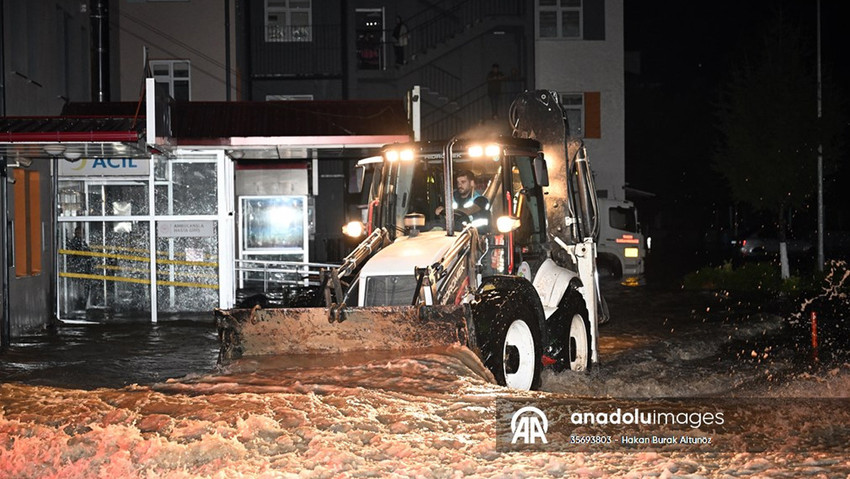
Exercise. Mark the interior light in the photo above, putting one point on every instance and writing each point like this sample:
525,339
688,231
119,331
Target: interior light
54,149
72,155
476,151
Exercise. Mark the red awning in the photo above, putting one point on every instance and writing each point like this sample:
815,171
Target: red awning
86,136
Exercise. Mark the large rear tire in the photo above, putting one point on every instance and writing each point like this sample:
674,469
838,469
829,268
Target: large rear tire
579,352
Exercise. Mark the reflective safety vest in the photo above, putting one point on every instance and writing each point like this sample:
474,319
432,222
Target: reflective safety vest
480,217
467,203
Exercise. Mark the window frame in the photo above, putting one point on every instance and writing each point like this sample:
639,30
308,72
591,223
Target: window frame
572,107
271,35
559,9
170,78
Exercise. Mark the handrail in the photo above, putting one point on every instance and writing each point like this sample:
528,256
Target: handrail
445,22
472,107
443,71
280,272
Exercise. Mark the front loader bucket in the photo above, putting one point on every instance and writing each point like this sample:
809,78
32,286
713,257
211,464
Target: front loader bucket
256,332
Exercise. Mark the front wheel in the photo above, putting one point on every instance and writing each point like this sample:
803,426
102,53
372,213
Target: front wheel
515,361
579,343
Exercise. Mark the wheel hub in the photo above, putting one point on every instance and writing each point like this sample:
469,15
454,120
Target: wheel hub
511,359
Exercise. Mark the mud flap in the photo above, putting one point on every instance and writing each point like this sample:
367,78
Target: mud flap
256,332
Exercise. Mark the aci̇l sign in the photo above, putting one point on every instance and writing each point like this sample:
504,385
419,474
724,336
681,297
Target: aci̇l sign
105,167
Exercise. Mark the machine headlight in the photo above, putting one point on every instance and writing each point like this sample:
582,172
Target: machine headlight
354,229
493,151
406,155
506,224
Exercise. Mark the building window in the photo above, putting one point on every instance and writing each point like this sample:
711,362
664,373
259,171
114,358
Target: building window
573,105
584,113
27,223
559,18
289,20
371,41
173,77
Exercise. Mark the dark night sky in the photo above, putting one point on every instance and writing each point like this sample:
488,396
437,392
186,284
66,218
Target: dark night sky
686,50
683,39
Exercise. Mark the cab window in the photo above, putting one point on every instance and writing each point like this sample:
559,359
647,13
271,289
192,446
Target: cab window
622,219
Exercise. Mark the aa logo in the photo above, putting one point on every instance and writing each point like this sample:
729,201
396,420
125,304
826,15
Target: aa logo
529,424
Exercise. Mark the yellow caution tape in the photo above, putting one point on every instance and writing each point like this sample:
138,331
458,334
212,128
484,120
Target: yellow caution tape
113,267
123,279
106,278
186,285
137,258
137,250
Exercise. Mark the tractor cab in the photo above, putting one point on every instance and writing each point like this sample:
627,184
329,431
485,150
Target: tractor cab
504,181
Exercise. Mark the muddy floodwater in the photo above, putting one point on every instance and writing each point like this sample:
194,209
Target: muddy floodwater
141,400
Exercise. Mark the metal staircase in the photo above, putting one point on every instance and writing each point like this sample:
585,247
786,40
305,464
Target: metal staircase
449,106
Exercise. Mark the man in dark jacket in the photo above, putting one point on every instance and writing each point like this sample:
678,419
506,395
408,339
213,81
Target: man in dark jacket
400,35
81,263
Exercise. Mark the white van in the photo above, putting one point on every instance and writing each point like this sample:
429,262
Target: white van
621,250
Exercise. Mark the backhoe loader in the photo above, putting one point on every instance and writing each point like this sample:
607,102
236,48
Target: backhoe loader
510,274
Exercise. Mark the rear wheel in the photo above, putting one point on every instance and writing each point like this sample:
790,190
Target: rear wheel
579,343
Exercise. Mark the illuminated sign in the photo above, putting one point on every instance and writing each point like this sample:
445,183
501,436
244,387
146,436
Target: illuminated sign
627,239
105,167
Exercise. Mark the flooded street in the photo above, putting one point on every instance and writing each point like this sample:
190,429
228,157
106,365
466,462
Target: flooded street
140,400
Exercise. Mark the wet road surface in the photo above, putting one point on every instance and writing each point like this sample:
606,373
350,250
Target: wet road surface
97,400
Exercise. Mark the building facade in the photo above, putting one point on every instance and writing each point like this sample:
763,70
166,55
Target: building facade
44,63
579,52
267,51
